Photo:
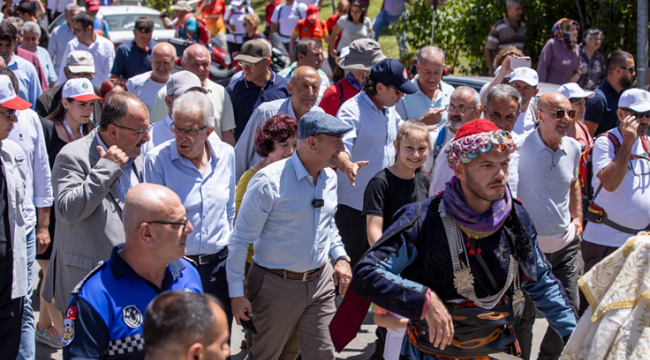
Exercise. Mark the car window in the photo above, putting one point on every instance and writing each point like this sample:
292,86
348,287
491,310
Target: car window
126,22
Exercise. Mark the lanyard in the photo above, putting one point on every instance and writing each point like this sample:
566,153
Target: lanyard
69,131
353,82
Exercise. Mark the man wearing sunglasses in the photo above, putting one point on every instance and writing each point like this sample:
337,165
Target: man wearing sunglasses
105,315
90,180
200,168
550,189
621,166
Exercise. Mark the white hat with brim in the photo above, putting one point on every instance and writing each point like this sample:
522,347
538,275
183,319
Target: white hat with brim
635,99
182,5
8,97
79,89
362,54
574,91
527,75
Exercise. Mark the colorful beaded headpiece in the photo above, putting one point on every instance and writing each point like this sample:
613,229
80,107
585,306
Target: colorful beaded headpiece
478,137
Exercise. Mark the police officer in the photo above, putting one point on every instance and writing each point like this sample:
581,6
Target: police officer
104,318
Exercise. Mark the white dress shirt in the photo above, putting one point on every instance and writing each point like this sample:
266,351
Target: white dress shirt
103,53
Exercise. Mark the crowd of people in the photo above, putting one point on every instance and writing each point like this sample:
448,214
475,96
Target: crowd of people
161,205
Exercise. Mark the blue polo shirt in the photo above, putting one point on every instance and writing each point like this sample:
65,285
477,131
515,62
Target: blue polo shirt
246,97
601,108
131,61
104,318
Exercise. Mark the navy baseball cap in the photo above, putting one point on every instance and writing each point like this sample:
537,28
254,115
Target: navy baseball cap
391,72
316,123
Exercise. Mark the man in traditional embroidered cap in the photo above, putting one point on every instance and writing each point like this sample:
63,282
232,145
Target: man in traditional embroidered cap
456,264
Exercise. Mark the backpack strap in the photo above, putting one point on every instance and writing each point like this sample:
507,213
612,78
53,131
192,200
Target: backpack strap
341,97
440,141
590,140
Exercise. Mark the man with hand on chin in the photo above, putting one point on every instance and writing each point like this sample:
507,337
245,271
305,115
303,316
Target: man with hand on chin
288,213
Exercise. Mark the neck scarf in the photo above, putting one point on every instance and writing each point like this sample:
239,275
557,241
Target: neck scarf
561,32
474,225
355,84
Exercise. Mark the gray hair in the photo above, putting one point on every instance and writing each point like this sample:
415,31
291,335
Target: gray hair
502,92
71,7
18,24
476,99
193,101
305,45
591,32
32,28
510,3
430,52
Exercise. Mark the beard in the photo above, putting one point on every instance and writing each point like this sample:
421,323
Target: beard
455,121
626,83
481,192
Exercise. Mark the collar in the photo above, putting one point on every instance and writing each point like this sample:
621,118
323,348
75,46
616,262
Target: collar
505,19
540,145
365,98
13,60
288,106
441,85
270,81
120,267
605,87
301,171
135,46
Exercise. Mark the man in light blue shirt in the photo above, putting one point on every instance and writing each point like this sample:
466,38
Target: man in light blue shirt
288,216
303,87
60,37
374,121
200,168
428,103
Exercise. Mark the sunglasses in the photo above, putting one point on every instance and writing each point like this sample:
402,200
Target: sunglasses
559,113
630,68
638,115
177,223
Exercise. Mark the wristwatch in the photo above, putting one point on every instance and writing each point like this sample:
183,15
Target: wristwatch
344,257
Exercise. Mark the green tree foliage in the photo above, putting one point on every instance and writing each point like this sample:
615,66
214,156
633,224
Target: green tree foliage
462,26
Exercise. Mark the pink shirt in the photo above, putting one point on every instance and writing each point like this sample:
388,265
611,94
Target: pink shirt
556,64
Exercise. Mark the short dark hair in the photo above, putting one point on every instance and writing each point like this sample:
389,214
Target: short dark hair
617,58
8,31
278,128
177,316
305,45
116,108
84,18
370,86
25,7
144,24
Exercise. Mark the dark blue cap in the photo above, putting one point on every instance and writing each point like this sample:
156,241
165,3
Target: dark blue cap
391,72
316,123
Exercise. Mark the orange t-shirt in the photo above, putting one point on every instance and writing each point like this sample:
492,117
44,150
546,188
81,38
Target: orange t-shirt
306,30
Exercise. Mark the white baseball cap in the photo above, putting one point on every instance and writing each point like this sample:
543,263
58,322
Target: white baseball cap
635,99
79,89
574,91
8,97
236,2
527,75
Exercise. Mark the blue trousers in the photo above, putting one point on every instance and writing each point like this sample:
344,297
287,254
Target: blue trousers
383,20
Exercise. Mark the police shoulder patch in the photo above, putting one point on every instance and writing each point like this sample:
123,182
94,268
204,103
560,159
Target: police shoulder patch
68,332
92,272
132,316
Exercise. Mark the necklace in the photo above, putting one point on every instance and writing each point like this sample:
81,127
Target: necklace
68,130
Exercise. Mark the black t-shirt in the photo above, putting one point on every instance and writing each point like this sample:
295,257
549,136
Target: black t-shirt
387,193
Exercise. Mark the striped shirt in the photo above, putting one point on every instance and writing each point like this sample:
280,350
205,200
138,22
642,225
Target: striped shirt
503,35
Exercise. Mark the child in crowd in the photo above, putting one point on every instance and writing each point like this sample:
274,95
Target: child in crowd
396,326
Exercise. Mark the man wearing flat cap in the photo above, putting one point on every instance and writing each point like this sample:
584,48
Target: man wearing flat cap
288,215
374,122
363,55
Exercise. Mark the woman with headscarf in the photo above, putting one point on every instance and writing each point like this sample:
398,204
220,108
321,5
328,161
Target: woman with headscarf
559,62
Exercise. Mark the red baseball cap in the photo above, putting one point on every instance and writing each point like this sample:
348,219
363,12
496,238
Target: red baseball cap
92,5
312,12
8,96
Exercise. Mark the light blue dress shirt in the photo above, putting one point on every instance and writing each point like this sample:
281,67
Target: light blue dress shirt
278,218
371,139
129,177
59,39
245,153
46,62
414,106
30,85
209,197
160,132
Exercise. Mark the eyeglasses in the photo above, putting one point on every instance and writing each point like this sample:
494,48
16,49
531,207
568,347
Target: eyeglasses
139,132
189,132
630,68
461,109
10,114
249,64
179,223
638,115
559,113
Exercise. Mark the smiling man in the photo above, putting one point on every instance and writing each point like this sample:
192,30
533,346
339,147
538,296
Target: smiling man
303,87
201,169
105,316
134,57
147,85
552,195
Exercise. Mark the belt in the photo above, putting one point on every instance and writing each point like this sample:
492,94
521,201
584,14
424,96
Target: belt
290,275
207,259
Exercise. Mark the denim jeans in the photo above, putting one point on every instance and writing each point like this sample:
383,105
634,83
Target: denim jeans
383,20
27,344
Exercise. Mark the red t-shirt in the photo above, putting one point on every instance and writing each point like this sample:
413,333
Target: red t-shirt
331,100
331,23
306,30
269,11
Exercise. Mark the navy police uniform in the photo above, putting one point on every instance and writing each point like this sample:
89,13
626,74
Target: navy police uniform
104,318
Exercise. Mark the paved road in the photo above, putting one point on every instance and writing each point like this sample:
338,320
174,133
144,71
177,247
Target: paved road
359,349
